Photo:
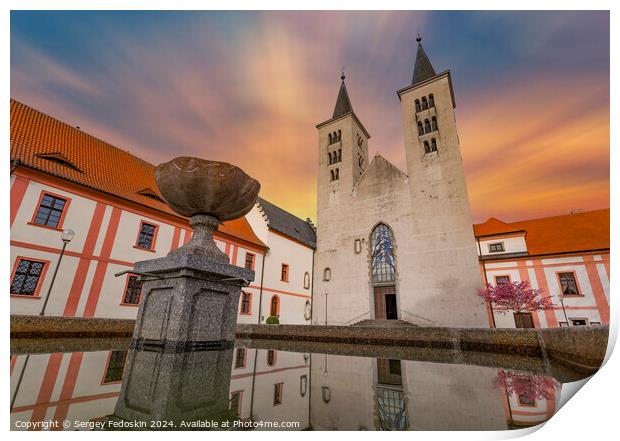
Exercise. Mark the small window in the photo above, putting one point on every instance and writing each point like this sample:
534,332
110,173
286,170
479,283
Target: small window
284,273
336,174
427,126
133,289
496,247
26,277
502,280
240,358
339,155
277,393
146,237
246,303
357,246
525,400
306,280
424,103
329,137
568,284
427,147
271,357
303,385
116,366
50,210
431,100
339,135
418,107
249,261
579,322
235,402
274,309
327,274
420,128
434,123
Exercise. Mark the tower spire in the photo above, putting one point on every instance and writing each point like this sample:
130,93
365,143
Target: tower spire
343,103
423,69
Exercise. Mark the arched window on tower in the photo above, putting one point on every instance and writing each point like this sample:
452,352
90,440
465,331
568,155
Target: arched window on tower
418,107
329,135
329,157
424,103
339,135
339,155
434,124
433,145
331,175
337,174
382,259
327,275
427,147
427,126
431,100
420,128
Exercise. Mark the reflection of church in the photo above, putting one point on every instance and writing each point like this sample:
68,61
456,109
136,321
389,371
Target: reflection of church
390,244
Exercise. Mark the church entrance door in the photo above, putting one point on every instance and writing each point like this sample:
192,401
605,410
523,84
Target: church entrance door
385,303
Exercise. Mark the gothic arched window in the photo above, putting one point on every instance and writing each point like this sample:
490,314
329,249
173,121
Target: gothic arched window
339,135
330,138
382,258
433,145
427,147
427,126
424,104
418,107
420,128
431,100
331,175
339,155
337,175
327,275
329,157
434,124
275,306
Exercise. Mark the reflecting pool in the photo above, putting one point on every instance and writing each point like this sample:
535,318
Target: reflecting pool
275,388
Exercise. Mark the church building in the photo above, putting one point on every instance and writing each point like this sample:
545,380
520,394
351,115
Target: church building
395,244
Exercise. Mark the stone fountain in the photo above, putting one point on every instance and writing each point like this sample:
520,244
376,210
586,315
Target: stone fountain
179,368
190,297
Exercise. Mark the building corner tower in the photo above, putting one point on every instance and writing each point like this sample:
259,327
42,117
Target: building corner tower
443,250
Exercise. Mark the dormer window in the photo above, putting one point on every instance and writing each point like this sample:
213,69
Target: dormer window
60,159
497,247
147,192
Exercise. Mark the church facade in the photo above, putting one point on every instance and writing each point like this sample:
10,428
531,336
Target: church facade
395,244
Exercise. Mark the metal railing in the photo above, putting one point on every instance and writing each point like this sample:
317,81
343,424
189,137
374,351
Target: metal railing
415,318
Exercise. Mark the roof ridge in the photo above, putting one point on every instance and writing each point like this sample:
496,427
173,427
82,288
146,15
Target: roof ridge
563,215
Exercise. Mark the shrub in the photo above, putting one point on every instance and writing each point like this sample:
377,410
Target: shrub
273,320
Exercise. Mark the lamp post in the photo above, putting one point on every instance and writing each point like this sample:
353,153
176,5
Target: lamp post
66,236
564,311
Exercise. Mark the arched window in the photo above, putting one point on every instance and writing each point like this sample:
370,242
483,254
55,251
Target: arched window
329,157
306,280
339,135
433,145
427,126
331,175
434,124
420,128
337,174
424,104
330,138
418,107
427,147
431,100
274,306
327,274
339,155
382,258
271,357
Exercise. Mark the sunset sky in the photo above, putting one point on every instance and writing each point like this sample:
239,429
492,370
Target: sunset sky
531,89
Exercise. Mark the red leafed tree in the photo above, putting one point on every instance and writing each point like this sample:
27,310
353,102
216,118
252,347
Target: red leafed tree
515,296
529,386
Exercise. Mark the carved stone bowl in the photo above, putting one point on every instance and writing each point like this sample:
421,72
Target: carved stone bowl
193,186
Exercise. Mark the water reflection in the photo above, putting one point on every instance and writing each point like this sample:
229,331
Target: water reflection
248,388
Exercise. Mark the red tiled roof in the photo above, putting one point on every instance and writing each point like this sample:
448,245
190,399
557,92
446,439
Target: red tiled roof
83,159
558,234
493,226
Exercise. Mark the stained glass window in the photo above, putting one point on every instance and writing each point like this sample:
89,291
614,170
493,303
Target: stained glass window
383,262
